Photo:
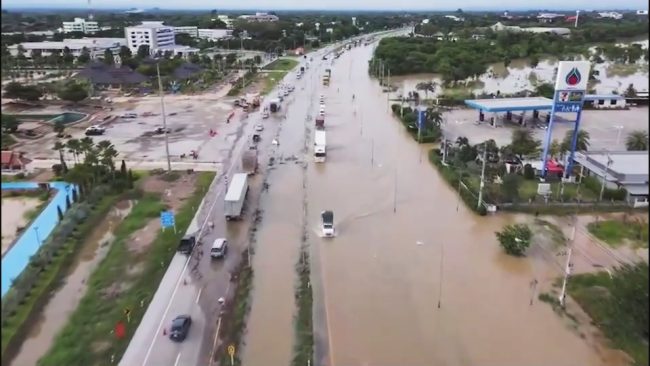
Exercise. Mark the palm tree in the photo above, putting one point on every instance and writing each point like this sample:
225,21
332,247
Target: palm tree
107,153
462,141
433,118
555,149
582,142
637,141
426,86
74,147
86,145
59,146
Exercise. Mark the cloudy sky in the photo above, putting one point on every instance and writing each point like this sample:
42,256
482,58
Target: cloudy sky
337,4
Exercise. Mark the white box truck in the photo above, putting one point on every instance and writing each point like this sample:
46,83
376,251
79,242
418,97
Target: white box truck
320,146
236,196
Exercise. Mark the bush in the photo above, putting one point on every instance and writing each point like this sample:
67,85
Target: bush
515,239
453,177
529,172
594,184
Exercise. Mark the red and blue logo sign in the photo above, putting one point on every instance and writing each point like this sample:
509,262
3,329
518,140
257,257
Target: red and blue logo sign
573,77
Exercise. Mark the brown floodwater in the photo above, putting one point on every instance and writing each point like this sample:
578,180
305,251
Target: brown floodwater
412,276
54,316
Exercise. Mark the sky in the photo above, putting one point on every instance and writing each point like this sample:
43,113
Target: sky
335,4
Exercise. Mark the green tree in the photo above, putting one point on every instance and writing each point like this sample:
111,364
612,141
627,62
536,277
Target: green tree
515,239
143,51
125,53
109,59
84,56
60,147
9,123
630,92
73,92
426,87
628,304
25,92
510,187
582,142
637,141
523,143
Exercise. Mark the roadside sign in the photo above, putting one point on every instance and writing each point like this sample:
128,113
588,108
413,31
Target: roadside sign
120,330
167,220
231,352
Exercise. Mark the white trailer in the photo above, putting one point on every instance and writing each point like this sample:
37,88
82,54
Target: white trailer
236,196
320,146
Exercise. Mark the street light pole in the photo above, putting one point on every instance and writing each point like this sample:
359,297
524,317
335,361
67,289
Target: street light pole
38,239
618,134
602,186
482,184
164,117
567,267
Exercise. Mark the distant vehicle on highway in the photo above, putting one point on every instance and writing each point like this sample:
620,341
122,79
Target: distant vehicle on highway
95,131
180,328
274,105
236,196
172,114
186,245
259,128
324,58
161,130
219,248
130,115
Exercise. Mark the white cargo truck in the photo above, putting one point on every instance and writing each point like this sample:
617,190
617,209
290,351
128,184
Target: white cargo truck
320,146
236,196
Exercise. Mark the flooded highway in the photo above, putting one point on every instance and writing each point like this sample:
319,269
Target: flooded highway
412,277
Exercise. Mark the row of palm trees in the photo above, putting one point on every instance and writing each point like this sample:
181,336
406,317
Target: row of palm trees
91,159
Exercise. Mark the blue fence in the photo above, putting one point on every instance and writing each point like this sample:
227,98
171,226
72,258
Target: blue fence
17,258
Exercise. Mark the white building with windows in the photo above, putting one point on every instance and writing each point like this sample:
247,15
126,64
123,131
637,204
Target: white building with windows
191,30
215,34
153,34
260,17
95,46
81,25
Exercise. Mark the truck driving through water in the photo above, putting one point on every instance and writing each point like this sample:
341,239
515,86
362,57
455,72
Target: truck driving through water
328,223
236,196
320,146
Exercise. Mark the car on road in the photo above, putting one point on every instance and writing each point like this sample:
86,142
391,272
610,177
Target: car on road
161,130
324,58
259,128
186,245
321,113
322,98
265,113
219,248
180,328
129,115
286,92
172,114
95,131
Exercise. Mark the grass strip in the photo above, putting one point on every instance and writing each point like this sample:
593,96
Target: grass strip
123,280
14,327
282,64
304,345
615,232
272,79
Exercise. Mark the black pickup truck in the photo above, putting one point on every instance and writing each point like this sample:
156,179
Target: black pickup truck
186,245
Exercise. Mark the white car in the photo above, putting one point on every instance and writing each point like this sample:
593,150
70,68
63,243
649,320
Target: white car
321,113
286,92
259,128
265,114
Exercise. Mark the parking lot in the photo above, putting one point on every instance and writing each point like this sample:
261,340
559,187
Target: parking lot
607,128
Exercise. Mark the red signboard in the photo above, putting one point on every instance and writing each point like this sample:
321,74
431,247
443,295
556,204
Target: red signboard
120,330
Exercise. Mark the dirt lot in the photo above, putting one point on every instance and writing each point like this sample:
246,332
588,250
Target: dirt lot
14,211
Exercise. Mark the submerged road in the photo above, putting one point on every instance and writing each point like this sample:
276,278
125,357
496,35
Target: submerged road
412,277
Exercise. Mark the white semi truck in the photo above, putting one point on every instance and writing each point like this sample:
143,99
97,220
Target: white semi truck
236,196
320,146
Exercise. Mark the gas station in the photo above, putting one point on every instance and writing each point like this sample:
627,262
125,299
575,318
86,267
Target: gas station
569,98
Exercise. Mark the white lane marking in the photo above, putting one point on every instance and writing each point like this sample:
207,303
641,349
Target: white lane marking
178,282
199,295
178,358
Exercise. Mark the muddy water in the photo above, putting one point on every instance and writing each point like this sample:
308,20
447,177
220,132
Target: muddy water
520,76
270,328
54,316
402,247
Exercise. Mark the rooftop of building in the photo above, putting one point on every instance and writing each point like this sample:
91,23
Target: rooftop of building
72,43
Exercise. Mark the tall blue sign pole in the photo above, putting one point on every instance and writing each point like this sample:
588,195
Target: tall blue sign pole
570,89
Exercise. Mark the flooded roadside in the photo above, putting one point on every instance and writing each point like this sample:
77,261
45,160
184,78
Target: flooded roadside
402,247
54,316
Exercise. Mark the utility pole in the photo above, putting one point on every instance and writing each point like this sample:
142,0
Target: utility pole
442,261
602,186
164,117
388,93
568,265
480,190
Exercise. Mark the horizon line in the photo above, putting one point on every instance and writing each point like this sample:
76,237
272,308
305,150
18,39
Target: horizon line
144,9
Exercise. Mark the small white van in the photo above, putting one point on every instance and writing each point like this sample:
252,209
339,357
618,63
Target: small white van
219,248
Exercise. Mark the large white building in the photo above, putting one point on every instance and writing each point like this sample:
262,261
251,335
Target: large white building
260,17
81,25
95,46
153,34
215,34
193,31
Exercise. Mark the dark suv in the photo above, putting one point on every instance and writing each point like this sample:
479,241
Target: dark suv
180,327
186,244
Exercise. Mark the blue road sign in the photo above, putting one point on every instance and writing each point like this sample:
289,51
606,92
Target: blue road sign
167,219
